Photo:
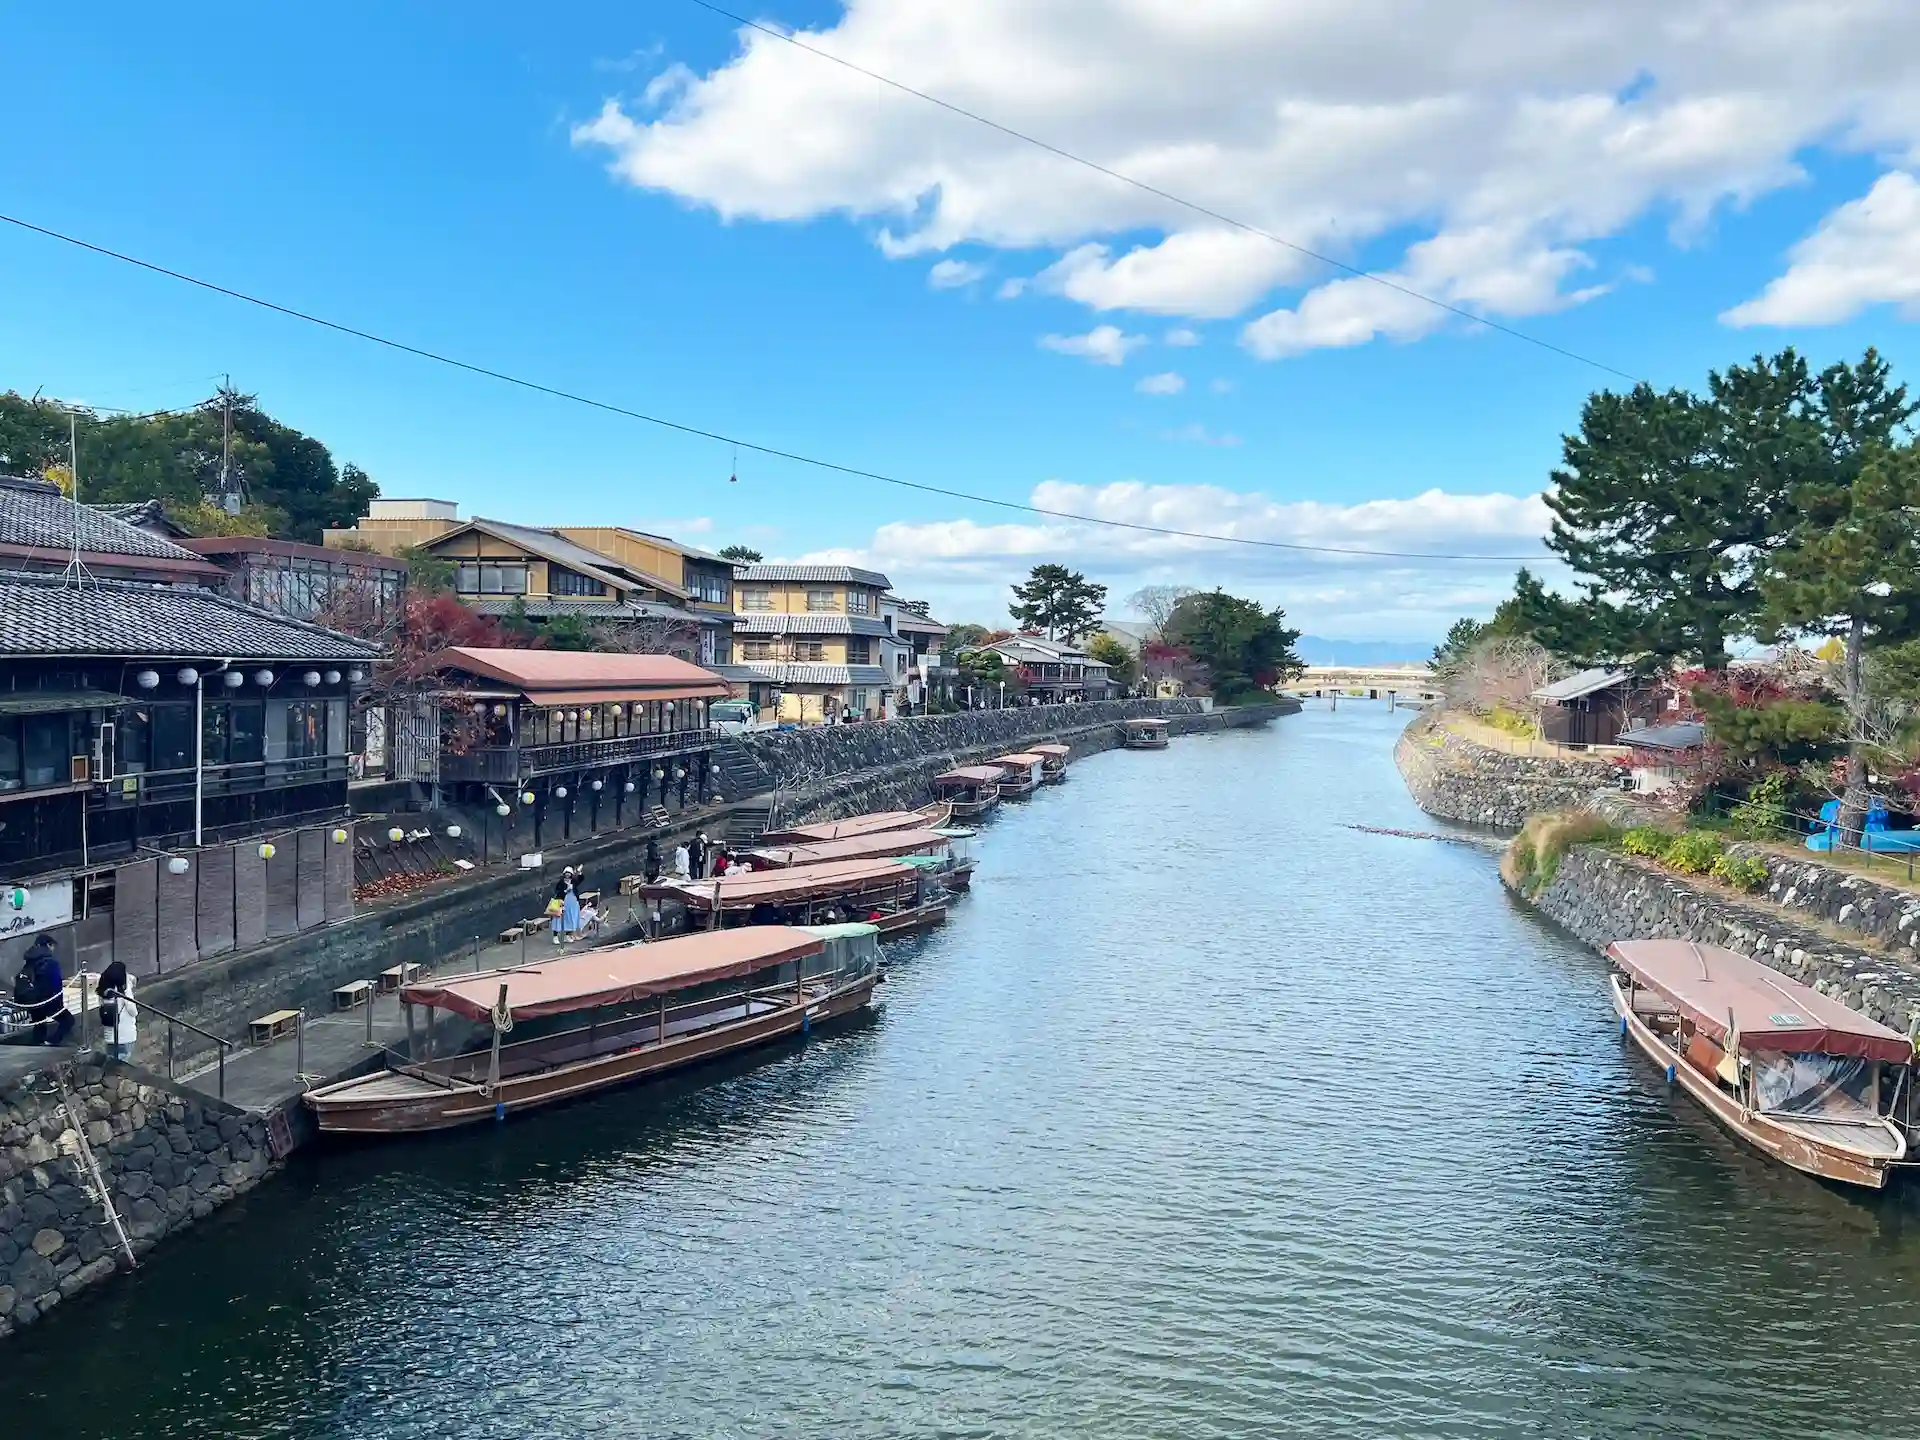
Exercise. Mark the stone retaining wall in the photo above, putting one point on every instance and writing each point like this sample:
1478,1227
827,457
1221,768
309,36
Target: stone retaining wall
1455,779
168,1157
1602,896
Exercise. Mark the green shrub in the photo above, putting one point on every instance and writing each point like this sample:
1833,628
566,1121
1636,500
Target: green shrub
1693,853
1534,857
1510,721
1645,840
1520,855
1743,872
1763,814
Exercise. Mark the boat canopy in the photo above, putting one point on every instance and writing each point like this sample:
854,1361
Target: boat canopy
1052,751
1147,722
857,847
1025,759
970,775
786,887
617,974
877,823
1717,989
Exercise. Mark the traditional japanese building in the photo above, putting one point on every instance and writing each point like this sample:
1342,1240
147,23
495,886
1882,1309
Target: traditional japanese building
813,639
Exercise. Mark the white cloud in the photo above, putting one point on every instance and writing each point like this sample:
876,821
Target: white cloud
952,274
1165,383
1012,289
1486,146
1221,386
1181,337
1867,252
965,566
1103,345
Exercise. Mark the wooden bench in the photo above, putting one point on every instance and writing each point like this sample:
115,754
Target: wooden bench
589,897
269,1028
631,884
394,976
353,995
512,933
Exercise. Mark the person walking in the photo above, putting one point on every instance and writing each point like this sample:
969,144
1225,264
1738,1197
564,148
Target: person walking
43,988
697,854
570,904
557,904
650,867
117,1012
682,863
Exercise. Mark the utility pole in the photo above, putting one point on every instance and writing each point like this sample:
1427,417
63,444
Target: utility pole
228,500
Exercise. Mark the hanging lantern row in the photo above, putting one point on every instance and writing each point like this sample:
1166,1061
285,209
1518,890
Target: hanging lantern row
234,679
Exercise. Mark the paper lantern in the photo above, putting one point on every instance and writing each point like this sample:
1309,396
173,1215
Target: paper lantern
266,850
628,787
527,798
453,832
396,834
177,865
356,676
187,675
333,677
596,784
263,677
339,837
503,811
499,712
559,792
147,679
310,679
232,679
659,774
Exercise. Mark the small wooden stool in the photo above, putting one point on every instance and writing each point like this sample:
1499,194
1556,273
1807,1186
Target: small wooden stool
353,995
269,1028
394,976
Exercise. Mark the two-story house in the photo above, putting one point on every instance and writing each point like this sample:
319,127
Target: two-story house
914,663
705,581
1053,671
812,637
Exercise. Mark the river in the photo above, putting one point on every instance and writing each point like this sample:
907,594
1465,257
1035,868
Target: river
1204,1117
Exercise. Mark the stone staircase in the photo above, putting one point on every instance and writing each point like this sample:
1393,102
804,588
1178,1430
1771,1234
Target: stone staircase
741,776
747,823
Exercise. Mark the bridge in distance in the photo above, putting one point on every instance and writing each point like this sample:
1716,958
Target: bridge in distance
1375,682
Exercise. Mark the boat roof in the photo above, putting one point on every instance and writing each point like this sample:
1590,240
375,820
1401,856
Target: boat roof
1715,988
854,847
1143,722
1053,750
616,974
876,823
973,774
1023,757
800,882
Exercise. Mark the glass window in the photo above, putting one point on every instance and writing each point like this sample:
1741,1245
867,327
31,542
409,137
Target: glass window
757,650
306,728
823,600
246,733
562,581
809,650
859,603
46,748
756,600
172,737
133,741
215,734
10,771
336,727
859,651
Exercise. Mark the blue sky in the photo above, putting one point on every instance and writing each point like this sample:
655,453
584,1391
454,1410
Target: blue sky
440,177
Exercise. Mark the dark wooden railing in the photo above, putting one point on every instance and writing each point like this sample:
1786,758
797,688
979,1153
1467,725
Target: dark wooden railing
497,764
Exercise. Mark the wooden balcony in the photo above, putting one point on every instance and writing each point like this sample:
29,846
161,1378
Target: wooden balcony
505,764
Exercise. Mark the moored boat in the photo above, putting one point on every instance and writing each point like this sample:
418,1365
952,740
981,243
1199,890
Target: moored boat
927,817
1795,1074
1020,773
944,851
972,790
1056,756
1146,733
649,1008
882,891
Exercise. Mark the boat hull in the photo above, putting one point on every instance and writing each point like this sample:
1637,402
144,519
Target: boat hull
1839,1163
338,1110
973,809
1137,743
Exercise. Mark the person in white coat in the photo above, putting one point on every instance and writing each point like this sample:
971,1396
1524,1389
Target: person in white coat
119,1019
681,861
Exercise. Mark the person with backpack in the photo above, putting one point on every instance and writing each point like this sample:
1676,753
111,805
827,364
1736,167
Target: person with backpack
117,1013
42,988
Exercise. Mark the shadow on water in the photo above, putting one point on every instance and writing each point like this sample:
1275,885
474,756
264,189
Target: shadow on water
1204,1116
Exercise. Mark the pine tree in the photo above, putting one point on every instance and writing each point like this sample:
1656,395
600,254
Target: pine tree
1060,603
1851,569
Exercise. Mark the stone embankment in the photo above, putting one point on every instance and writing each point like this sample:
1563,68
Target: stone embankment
828,771
1453,778
1846,936
167,1157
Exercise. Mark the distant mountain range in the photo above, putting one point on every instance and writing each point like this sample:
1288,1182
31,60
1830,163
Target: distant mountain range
1315,651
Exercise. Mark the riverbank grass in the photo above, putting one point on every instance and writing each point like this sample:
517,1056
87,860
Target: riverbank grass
1533,859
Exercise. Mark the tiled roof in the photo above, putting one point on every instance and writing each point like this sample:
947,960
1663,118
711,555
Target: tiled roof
764,624
35,514
56,615
813,574
581,669
1576,687
548,546
804,673
142,513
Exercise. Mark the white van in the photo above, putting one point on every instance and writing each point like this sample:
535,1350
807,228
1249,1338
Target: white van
733,717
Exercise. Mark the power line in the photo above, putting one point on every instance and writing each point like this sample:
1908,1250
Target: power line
719,437
1168,195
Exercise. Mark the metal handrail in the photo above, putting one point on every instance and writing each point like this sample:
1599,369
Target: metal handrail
142,1006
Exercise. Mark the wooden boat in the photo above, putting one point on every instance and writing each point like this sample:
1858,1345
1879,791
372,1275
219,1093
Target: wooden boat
1797,1075
649,1008
972,790
882,891
1147,733
944,849
1056,756
1021,772
927,817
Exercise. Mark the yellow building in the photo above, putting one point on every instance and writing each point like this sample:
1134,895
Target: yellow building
814,639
